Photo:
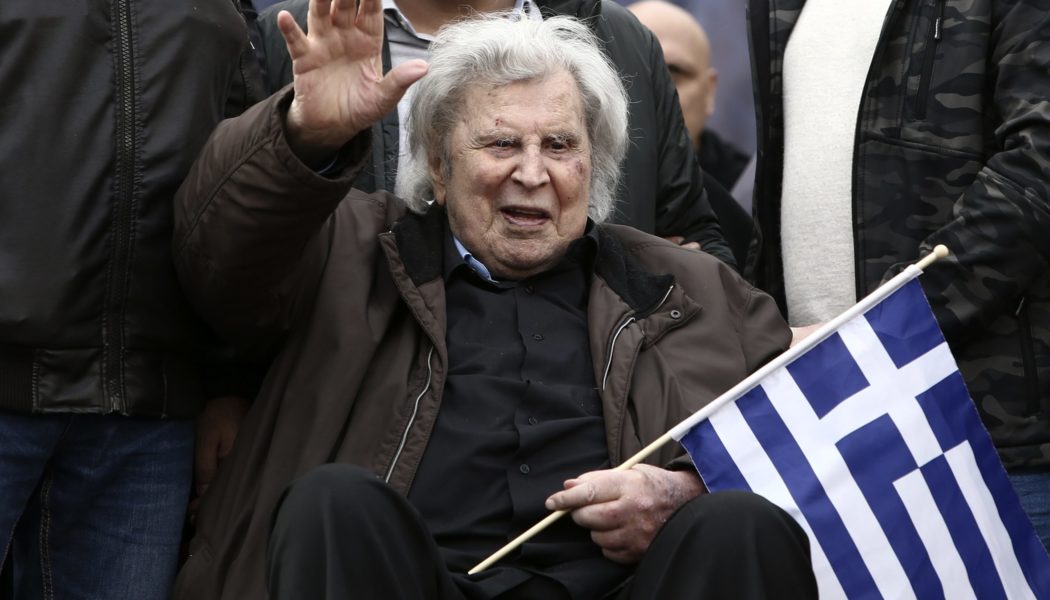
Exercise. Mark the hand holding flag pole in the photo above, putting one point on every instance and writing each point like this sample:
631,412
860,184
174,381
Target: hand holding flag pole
884,290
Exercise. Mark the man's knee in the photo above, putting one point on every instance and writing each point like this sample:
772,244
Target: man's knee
734,518
330,491
729,545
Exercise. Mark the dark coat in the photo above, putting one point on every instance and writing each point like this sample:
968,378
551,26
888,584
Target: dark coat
661,190
103,110
350,288
952,147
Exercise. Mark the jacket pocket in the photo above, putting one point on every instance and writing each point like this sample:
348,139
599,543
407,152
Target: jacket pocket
929,55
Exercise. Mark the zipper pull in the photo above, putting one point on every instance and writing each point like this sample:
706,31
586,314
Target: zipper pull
1020,306
939,21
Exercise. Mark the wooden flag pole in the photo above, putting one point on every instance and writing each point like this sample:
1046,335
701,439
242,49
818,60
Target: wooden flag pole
940,251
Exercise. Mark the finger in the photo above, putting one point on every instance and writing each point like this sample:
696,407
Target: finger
605,516
623,557
401,77
692,245
614,540
320,9
319,17
343,13
584,493
205,460
294,37
226,441
369,15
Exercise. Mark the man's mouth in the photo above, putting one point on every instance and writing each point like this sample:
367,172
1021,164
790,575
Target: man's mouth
525,217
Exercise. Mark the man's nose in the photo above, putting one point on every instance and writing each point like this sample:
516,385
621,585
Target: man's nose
531,170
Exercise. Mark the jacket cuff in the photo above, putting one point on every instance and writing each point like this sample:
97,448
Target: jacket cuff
345,165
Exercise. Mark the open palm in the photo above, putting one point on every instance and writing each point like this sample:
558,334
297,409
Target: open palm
339,85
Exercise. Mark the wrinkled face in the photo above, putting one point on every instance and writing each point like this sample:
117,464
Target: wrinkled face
518,183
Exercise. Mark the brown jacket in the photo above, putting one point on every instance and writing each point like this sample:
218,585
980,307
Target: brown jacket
348,290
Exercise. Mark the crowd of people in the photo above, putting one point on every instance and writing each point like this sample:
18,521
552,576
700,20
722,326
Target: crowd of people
337,297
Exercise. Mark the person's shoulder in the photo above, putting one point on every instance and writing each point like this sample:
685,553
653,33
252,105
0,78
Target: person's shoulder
623,21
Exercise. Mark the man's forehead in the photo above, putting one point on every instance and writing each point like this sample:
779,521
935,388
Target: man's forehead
554,99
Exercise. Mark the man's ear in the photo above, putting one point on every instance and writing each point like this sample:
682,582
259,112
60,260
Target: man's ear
712,90
437,178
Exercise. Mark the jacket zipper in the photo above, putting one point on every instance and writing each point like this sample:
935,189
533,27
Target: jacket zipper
1031,379
612,348
123,206
630,319
412,418
929,55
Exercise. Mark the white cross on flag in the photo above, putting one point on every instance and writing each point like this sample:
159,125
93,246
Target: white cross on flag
867,436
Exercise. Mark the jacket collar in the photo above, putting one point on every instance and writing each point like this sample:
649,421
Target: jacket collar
421,239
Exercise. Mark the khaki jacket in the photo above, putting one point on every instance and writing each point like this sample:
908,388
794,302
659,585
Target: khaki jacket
348,290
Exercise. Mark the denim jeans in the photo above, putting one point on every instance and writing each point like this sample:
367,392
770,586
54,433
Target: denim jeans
99,503
1033,488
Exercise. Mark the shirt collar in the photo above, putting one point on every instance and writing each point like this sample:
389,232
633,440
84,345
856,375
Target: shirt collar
582,250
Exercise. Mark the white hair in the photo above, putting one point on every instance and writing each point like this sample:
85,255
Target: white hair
498,49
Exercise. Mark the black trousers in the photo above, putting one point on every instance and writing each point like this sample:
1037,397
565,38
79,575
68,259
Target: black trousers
340,533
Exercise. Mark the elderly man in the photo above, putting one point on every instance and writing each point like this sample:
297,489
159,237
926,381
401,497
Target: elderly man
661,190
464,362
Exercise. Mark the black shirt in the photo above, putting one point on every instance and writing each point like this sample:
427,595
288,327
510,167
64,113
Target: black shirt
520,414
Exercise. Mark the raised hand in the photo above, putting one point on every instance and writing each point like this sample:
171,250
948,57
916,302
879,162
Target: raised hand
337,68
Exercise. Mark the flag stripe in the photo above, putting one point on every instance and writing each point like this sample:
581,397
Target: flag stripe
775,438
962,527
809,433
963,464
920,504
729,432
875,479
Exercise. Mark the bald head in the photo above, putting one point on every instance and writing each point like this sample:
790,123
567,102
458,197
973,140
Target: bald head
688,55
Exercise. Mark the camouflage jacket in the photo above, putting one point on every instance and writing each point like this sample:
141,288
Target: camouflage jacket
952,147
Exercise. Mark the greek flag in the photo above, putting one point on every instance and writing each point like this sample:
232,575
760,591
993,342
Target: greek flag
866,435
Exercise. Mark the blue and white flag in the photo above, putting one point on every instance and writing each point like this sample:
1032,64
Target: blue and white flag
867,436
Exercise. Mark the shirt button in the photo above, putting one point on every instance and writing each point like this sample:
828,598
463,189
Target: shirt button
532,421
537,337
529,289
524,469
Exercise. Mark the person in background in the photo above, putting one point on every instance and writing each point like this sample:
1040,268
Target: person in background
661,192
889,127
105,106
470,363
688,56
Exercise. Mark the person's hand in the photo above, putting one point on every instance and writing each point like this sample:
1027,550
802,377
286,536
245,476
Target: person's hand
800,333
626,509
217,427
338,77
677,239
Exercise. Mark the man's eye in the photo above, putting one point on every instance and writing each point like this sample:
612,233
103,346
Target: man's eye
559,145
503,143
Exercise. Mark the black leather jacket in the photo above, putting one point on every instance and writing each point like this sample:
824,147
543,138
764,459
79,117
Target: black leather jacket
662,191
103,109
